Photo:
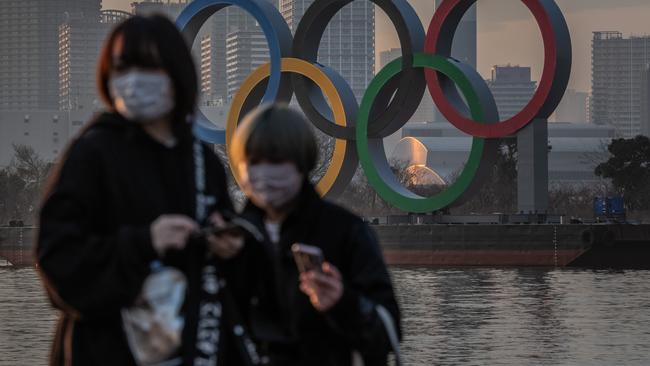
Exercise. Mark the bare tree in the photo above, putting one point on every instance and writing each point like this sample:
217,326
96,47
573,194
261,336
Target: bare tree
21,184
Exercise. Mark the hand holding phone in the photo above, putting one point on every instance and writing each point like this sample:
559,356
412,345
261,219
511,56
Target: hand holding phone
224,238
320,281
307,257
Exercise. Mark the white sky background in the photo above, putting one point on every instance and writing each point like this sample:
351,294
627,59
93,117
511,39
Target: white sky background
507,33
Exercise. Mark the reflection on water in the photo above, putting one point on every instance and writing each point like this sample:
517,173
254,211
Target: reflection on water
524,317
26,319
451,317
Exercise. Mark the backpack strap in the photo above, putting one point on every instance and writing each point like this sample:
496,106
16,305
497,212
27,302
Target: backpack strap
389,325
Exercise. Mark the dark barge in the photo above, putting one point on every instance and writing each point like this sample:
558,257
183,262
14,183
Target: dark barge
622,246
618,246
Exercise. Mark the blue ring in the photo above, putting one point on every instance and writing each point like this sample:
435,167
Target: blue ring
275,30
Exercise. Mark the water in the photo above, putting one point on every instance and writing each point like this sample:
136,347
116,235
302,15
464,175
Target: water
451,317
524,317
26,318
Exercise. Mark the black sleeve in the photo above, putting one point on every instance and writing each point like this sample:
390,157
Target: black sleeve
219,180
366,284
87,272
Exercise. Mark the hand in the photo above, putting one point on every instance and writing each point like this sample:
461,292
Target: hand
224,246
323,288
171,232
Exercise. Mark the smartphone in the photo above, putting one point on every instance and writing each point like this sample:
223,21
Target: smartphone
236,227
307,257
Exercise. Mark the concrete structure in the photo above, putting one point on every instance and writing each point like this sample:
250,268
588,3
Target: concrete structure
575,149
573,107
80,41
47,131
29,77
246,50
512,88
617,66
645,101
533,167
348,44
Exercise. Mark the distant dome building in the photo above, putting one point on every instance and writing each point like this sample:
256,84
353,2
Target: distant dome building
574,149
411,155
409,151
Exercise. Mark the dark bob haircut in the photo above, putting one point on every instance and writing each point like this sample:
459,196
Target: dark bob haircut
152,42
276,133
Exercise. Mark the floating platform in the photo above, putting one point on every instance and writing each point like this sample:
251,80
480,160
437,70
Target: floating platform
539,245
618,246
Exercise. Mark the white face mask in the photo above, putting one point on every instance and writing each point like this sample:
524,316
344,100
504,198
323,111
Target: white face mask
142,96
271,186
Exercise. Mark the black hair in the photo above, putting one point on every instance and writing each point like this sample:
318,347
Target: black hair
277,133
152,42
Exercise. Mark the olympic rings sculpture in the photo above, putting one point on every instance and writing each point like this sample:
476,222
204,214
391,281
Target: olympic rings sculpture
392,97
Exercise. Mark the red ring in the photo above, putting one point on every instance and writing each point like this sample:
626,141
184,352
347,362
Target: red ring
530,111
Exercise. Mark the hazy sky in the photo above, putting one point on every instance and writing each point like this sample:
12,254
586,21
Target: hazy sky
507,33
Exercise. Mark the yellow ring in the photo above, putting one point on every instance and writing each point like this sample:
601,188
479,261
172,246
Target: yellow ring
310,71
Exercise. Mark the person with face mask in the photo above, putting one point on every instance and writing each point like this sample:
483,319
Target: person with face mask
323,315
118,241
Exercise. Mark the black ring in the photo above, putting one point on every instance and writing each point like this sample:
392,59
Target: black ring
396,104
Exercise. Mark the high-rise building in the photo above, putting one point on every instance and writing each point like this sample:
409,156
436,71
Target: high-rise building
348,44
617,65
573,107
80,41
246,50
210,49
590,107
512,88
29,44
645,101
224,22
208,68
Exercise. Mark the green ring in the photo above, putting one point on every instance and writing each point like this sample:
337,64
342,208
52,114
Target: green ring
373,158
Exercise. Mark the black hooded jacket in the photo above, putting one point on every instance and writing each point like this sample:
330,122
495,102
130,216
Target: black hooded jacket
94,247
264,280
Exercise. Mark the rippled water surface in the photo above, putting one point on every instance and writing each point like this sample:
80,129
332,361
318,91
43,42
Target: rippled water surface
451,317
26,319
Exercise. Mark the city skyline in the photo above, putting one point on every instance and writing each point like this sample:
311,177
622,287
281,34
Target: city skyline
508,34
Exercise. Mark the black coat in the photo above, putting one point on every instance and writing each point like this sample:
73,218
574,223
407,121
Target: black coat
264,280
94,247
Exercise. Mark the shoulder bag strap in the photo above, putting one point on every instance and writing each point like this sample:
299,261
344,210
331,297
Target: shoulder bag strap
389,325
